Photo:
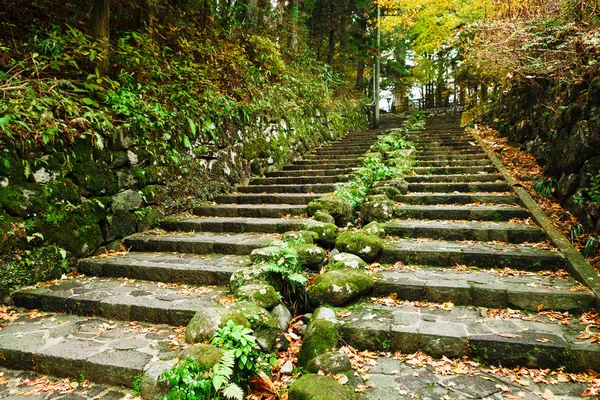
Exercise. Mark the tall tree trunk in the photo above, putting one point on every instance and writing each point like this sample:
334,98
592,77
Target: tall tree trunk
101,27
294,15
332,27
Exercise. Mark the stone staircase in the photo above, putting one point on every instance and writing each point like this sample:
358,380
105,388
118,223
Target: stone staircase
124,311
464,272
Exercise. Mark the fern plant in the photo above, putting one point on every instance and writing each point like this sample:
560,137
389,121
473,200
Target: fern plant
242,344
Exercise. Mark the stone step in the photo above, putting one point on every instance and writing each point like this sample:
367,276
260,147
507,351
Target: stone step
467,230
250,210
532,341
337,156
459,212
457,198
102,351
198,243
322,166
236,224
331,161
308,188
446,253
312,172
452,170
451,157
444,143
273,198
445,187
299,180
190,269
121,300
455,178
458,163
329,152
448,152
486,288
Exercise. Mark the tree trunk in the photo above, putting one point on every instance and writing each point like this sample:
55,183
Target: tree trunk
100,28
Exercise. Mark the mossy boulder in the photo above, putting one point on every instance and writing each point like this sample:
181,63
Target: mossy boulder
118,225
207,321
399,184
262,295
310,255
265,254
339,287
126,201
327,234
345,261
377,208
329,363
152,386
320,387
339,208
300,237
206,355
368,247
388,190
261,321
321,336
254,274
374,228
94,180
322,216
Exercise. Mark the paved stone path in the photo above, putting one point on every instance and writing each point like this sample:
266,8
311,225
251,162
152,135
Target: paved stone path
464,272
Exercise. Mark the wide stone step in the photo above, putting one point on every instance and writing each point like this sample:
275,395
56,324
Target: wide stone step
191,269
450,157
342,155
102,351
349,150
455,178
486,288
451,163
250,210
457,198
265,198
422,142
459,187
198,243
308,188
445,253
121,300
328,161
236,224
299,180
453,170
449,152
461,212
322,166
312,172
509,339
454,230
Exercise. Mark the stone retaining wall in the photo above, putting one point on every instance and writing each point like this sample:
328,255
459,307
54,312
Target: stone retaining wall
560,126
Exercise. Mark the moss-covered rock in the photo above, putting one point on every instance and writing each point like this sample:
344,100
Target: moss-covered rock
94,180
322,216
206,355
300,237
207,321
399,184
321,336
310,255
387,190
126,201
339,208
320,387
339,288
265,254
377,208
118,225
329,363
374,228
327,234
261,321
345,261
368,247
262,295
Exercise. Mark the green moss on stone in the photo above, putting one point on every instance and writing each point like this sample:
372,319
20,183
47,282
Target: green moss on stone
327,234
320,387
368,247
339,208
321,336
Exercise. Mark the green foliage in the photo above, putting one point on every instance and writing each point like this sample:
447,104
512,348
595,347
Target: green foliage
589,249
190,382
31,266
545,186
284,262
242,344
135,386
593,190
